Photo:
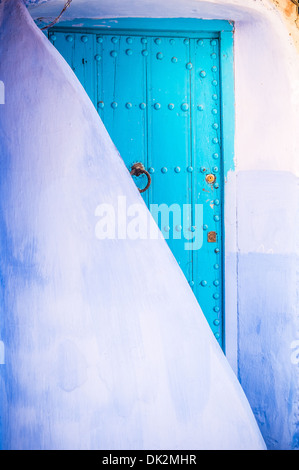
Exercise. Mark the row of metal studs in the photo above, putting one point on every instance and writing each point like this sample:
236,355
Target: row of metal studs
129,40
177,169
157,106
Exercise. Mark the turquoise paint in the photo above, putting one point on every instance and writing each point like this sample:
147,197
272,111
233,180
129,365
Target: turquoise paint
227,100
165,93
227,78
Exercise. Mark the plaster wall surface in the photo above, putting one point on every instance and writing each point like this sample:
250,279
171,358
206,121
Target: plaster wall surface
261,197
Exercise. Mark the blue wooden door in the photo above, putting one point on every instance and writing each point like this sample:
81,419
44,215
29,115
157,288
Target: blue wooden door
158,94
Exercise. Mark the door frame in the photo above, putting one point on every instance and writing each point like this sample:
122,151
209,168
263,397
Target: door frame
224,31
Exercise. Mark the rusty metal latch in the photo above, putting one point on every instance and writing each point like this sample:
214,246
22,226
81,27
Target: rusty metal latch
212,237
137,170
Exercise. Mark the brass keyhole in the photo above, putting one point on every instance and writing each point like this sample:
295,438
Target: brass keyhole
210,179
